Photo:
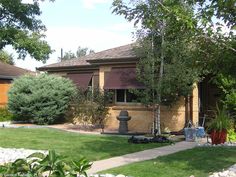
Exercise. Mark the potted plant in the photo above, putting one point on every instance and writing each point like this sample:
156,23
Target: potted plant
219,125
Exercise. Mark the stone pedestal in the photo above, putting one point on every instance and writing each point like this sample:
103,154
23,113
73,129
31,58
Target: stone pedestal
123,118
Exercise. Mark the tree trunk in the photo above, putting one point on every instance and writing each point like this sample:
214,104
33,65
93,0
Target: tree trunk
153,93
161,75
158,121
154,118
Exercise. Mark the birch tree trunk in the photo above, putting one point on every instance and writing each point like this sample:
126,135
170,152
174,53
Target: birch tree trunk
158,121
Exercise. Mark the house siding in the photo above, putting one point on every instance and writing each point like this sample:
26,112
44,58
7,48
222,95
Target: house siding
173,118
4,88
142,118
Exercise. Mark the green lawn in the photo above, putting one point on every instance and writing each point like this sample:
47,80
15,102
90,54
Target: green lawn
198,162
73,145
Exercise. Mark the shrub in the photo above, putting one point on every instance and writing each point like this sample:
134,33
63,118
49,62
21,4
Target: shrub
90,107
231,135
5,115
230,102
43,99
227,84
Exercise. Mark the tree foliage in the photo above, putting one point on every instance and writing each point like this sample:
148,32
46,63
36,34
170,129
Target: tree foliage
218,47
21,28
176,49
227,84
5,57
81,51
68,55
209,10
179,44
165,49
43,99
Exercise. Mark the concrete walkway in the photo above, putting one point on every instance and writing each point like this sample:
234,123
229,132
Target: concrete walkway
139,156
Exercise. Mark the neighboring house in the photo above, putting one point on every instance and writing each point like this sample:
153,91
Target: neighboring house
115,70
7,74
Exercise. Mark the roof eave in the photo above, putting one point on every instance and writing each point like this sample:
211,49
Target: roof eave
113,60
67,68
8,77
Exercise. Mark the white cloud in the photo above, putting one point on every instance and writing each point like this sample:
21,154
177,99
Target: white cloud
121,27
90,4
69,38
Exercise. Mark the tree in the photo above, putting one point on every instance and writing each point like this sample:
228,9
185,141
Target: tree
68,55
21,28
6,57
178,47
81,51
163,66
218,46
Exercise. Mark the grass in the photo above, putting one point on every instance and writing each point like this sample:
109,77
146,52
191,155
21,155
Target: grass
73,145
198,162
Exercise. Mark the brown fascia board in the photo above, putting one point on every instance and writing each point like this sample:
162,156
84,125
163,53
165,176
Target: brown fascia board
113,60
7,77
68,68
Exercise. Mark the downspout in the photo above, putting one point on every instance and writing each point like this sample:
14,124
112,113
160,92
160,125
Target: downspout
191,108
186,110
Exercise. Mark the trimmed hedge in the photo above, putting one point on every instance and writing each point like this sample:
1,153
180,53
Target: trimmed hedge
43,99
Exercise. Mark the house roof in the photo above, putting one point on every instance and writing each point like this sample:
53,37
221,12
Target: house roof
67,63
122,52
9,71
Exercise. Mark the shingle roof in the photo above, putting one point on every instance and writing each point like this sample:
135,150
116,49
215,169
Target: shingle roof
9,71
121,52
71,62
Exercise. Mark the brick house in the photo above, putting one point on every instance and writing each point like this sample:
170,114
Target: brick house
115,69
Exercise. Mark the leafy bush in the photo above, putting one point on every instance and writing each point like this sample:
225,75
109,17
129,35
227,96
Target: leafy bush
90,107
43,99
231,135
222,120
230,102
38,164
227,84
5,115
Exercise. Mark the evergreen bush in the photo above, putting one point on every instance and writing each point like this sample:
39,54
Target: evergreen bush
43,99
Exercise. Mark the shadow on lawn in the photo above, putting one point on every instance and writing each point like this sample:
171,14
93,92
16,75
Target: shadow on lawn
198,162
203,159
111,146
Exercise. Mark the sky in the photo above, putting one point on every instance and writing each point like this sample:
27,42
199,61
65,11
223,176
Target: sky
85,23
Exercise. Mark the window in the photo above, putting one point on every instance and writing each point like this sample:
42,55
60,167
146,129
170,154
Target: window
125,96
90,85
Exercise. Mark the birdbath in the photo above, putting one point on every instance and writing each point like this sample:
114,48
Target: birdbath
123,118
